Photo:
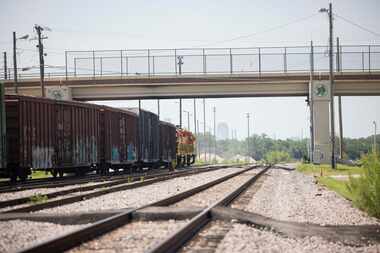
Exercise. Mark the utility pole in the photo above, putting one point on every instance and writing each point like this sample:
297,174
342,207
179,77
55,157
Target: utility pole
188,119
214,110
195,117
340,127
40,46
15,63
5,66
204,125
331,77
310,103
332,88
180,113
158,108
209,143
198,147
338,69
374,139
248,114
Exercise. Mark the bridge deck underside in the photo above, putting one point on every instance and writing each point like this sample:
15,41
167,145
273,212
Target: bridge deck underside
347,84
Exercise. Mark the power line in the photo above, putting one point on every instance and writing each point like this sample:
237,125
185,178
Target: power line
265,31
357,25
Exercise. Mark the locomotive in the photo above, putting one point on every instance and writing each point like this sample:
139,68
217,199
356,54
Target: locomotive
75,137
185,147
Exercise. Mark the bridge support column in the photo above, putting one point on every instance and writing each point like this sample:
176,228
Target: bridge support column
319,102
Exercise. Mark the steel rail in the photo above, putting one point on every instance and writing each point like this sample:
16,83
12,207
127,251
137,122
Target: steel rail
112,182
125,185
180,237
74,238
60,182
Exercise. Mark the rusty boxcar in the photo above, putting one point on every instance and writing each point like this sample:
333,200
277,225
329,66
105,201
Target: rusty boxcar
51,135
74,137
167,140
30,134
148,136
77,137
3,132
118,131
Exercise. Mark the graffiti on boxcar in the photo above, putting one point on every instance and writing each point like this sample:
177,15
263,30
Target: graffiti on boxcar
131,152
115,155
94,150
85,152
42,157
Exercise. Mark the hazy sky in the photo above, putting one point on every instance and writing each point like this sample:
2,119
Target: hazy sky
87,25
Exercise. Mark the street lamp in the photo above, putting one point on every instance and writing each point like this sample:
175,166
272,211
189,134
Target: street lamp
248,115
331,77
180,112
204,141
15,58
204,121
214,110
188,119
180,63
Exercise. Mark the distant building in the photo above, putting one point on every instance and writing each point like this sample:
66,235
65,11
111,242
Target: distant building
222,131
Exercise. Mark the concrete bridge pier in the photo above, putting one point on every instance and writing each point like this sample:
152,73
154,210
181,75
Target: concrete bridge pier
319,102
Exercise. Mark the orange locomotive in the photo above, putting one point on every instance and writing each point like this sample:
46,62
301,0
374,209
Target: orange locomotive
185,148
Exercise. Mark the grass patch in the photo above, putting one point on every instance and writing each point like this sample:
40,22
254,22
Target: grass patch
36,174
338,186
364,191
327,170
38,199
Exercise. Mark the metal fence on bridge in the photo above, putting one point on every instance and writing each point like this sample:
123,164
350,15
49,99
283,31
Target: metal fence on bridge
256,60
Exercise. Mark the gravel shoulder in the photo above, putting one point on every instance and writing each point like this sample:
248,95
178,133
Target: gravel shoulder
293,196
244,238
143,195
19,234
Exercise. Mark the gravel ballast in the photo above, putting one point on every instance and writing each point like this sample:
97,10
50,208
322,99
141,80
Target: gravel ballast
134,237
293,196
208,238
215,193
244,238
19,234
143,195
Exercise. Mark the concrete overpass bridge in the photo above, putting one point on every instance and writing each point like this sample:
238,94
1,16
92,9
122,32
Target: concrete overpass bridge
217,73
216,86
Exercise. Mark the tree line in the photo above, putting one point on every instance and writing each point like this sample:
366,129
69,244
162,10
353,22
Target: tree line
257,146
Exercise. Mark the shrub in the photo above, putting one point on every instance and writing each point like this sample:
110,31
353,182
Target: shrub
38,198
274,157
366,188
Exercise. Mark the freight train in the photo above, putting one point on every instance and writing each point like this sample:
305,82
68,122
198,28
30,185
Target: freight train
75,137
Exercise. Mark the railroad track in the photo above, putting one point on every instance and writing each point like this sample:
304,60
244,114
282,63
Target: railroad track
72,239
65,181
194,227
180,238
61,182
87,192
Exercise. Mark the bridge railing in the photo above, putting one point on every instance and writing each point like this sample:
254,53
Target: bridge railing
202,61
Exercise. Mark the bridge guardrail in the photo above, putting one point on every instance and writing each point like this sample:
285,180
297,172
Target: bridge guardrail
203,61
